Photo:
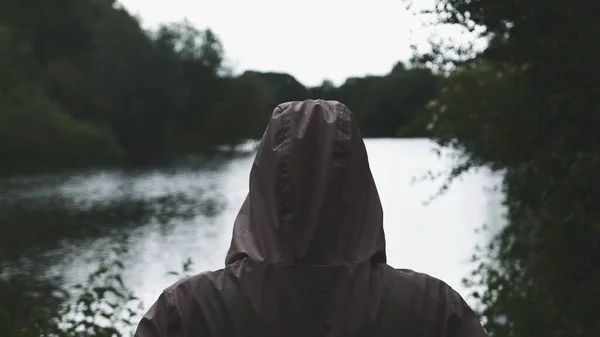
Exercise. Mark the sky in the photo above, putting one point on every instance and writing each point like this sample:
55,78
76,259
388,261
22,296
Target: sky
313,40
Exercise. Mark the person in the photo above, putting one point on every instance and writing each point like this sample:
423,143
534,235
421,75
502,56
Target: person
307,257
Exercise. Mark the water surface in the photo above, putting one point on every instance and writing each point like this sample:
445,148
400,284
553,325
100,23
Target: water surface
172,213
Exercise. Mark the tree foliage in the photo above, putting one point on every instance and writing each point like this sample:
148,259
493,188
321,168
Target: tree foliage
527,107
102,306
103,89
383,104
81,83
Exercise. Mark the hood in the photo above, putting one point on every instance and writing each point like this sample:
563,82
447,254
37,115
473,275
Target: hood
308,250
312,198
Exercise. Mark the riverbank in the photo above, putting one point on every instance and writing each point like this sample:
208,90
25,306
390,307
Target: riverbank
67,223
39,209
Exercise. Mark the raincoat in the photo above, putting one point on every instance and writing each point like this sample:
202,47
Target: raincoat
307,256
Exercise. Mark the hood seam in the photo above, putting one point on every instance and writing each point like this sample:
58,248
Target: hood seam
284,193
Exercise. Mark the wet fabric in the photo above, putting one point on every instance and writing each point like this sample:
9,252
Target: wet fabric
307,255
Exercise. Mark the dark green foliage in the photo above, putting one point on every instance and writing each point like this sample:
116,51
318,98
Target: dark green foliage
82,84
35,131
29,304
383,104
528,107
103,306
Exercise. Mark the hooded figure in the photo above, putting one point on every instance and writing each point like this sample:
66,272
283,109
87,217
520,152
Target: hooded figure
307,257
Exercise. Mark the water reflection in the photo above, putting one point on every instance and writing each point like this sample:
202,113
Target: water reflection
43,213
66,222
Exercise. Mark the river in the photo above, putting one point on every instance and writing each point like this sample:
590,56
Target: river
187,210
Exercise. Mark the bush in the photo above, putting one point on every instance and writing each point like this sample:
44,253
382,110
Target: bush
35,131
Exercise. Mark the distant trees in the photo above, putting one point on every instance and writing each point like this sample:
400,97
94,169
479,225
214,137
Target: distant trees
384,104
83,84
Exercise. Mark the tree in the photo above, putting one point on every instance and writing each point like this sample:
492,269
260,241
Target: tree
526,107
211,51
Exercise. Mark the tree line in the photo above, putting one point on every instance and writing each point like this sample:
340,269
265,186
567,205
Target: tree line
527,106
81,83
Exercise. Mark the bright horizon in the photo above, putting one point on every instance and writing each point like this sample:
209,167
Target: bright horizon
310,40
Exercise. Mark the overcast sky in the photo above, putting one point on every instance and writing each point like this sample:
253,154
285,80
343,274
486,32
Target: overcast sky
312,40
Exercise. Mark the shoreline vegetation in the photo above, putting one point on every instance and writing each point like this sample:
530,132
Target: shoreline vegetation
81,84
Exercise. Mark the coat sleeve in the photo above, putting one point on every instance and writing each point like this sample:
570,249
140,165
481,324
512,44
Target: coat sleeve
161,320
462,321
